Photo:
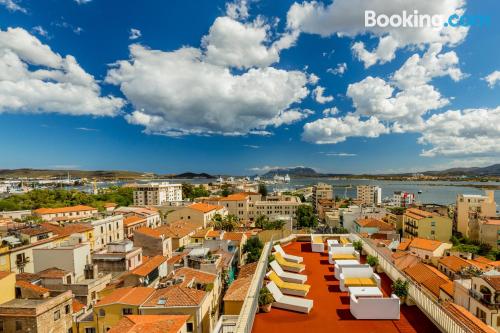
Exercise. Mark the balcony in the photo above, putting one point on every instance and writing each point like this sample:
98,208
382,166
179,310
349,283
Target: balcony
484,299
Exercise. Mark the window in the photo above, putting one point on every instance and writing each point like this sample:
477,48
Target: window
89,330
57,315
127,311
189,327
19,325
67,309
1,326
102,313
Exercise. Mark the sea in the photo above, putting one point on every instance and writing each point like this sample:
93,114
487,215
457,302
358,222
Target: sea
439,192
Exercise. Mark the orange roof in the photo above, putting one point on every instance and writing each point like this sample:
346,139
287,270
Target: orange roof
238,290
375,223
149,266
176,296
177,258
235,197
417,213
247,270
176,229
150,232
150,324
26,285
109,204
204,207
492,222
201,233
133,220
213,233
493,281
77,306
454,263
53,273
129,295
67,229
466,318
427,276
425,244
448,288
233,236
79,208
195,275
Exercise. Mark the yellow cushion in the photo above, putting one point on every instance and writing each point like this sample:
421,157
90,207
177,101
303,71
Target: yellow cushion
286,263
317,240
343,256
367,282
344,241
352,282
288,285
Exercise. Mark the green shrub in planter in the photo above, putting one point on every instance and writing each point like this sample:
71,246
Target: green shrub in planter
372,260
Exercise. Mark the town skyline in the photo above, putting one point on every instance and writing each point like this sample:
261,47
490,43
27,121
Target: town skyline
319,115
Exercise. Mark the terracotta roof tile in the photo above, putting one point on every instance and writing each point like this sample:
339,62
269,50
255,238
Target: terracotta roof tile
78,208
425,244
204,207
238,290
194,275
133,220
150,324
427,276
375,223
130,295
454,263
493,281
247,270
466,318
149,266
233,236
417,213
176,296
77,306
26,285
403,246
53,273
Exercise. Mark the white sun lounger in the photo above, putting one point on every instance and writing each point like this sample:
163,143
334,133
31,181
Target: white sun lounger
286,276
289,302
288,257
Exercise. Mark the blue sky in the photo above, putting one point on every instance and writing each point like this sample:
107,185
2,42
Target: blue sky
244,99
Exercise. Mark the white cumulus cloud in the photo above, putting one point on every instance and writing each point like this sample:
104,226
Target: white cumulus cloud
178,93
134,34
339,70
492,78
346,18
319,97
56,84
335,130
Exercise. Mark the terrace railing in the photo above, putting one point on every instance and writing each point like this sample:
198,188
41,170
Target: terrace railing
426,303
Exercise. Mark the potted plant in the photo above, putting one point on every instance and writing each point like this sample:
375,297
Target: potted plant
373,262
358,245
400,289
265,299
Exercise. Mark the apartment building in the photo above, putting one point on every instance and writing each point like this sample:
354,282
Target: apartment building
278,208
369,195
107,230
325,205
395,218
242,205
456,267
150,214
153,242
157,194
421,224
402,199
118,257
38,315
65,214
144,323
473,205
489,231
200,213
373,226
427,250
480,295
321,191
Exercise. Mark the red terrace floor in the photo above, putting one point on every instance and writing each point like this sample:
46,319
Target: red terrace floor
330,312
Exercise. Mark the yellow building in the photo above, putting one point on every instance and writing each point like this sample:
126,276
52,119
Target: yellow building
473,205
421,224
4,259
7,286
111,309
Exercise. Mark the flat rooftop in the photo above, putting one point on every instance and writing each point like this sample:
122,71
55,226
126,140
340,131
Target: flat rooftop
331,312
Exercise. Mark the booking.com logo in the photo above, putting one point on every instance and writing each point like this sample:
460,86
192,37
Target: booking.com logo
416,20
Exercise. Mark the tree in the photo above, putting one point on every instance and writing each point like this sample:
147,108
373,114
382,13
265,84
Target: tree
226,190
253,249
263,189
306,217
400,288
226,223
263,222
372,260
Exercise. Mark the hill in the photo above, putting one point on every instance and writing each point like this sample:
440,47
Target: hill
49,173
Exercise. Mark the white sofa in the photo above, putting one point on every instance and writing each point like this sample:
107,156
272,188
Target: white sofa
286,276
358,277
347,250
317,244
375,307
339,264
289,302
332,243
287,256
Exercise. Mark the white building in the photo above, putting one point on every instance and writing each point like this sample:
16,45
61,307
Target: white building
369,195
107,230
70,256
402,199
157,194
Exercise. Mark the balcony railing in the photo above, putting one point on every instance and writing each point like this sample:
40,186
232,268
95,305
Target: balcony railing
485,299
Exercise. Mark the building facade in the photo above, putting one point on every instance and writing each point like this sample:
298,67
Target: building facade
369,195
157,194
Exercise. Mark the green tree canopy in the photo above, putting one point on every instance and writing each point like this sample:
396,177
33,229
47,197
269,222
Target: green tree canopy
306,217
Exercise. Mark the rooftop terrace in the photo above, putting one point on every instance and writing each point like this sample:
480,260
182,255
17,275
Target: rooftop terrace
331,306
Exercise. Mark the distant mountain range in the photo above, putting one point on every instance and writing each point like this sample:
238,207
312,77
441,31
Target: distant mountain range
492,170
98,174
297,172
